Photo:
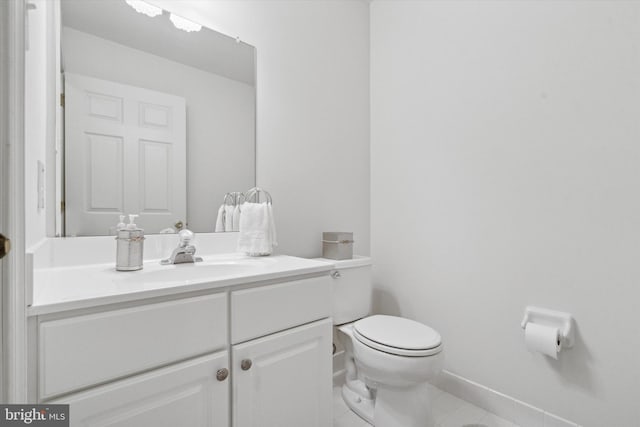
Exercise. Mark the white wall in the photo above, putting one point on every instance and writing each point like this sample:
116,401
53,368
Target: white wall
220,116
313,110
505,167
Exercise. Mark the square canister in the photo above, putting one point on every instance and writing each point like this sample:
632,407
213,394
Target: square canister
337,245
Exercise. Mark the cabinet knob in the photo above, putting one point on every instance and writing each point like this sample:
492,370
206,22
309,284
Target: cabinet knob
246,364
222,374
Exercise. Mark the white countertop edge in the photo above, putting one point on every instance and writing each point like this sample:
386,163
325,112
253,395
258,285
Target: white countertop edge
37,310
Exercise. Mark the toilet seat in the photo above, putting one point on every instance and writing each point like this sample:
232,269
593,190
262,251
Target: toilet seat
397,335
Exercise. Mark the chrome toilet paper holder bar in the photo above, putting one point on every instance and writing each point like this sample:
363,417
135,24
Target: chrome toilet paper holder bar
557,319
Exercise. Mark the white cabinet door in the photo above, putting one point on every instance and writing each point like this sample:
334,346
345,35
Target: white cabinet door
289,381
184,394
125,153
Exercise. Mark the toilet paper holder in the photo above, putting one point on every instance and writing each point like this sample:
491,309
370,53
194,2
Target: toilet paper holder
557,319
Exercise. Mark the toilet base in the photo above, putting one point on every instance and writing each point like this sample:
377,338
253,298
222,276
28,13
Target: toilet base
363,407
392,407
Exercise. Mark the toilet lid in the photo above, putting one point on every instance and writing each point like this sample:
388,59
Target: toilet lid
397,335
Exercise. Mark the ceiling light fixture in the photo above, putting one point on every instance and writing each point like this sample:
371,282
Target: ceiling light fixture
145,8
184,24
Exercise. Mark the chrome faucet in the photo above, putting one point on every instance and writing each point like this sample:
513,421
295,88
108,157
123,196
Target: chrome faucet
185,252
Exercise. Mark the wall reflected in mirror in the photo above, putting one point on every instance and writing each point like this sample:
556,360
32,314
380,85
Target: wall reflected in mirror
158,121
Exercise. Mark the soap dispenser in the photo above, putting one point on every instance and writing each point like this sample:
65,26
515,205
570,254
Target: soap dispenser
130,245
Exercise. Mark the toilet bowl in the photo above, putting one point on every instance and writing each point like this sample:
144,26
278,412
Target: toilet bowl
389,386
389,360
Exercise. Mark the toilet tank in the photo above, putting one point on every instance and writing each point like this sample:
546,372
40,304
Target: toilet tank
351,281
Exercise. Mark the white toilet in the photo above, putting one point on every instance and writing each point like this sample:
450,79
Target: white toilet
388,359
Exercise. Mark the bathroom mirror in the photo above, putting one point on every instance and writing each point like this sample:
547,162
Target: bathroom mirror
159,118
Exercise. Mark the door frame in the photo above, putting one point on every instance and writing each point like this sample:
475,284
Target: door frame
13,345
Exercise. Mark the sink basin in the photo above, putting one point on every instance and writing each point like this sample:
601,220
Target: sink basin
186,272
192,272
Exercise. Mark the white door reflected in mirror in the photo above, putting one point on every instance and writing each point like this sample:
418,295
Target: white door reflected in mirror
125,153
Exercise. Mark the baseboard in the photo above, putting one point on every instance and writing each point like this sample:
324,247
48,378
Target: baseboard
499,404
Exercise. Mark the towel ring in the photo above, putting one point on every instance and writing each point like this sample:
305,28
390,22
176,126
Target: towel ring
253,195
234,198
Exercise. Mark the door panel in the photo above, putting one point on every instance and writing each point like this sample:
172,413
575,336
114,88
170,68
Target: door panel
156,170
105,107
103,174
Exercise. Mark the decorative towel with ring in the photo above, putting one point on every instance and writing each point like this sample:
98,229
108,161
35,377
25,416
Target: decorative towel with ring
229,212
257,226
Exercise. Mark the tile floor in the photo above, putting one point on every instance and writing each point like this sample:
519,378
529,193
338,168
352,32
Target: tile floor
448,411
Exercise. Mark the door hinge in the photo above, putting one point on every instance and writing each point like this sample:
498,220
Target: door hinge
62,206
5,246
62,100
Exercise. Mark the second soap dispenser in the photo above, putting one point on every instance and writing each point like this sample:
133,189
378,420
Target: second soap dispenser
130,246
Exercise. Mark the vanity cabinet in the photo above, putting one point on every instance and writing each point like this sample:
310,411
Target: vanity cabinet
257,356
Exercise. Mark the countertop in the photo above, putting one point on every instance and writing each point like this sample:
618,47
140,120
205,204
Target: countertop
59,289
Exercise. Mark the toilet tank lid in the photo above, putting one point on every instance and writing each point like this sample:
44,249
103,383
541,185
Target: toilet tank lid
356,261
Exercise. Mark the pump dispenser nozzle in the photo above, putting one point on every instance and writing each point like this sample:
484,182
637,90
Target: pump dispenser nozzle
132,225
121,225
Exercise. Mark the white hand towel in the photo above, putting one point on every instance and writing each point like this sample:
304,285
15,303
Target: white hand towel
220,220
236,218
272,227
228,217
257,231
